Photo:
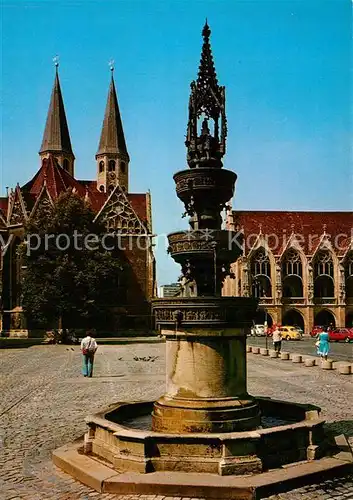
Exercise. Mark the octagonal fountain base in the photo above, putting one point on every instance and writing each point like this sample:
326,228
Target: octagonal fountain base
288,433
120,454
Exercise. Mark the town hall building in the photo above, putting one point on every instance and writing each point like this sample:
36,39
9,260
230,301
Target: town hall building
298,264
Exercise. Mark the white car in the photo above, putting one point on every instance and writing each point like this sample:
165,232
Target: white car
258,331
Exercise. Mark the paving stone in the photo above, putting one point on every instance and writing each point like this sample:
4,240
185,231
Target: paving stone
44,400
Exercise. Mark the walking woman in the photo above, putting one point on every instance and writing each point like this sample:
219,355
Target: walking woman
323,346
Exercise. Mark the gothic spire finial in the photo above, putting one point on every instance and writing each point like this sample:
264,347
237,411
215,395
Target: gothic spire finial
111,65
207,102
206,30
56,62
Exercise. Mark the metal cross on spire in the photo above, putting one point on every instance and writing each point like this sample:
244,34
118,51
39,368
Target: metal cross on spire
111,64
56,61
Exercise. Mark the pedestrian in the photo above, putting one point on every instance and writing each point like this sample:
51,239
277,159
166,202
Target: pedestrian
277,340
322,344
88,349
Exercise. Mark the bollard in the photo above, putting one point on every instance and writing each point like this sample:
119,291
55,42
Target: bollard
285,355
309,362
345,369
248,348
326,365
255,350
297,358
264,351
273,354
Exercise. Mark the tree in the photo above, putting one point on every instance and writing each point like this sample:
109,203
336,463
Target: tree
68,274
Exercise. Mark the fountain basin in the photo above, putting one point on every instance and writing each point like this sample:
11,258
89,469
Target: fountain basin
296,435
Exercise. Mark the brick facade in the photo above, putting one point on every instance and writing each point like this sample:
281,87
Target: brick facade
299,264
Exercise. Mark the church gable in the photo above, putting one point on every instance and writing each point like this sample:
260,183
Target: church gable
118,214
43,205
17,213
2,222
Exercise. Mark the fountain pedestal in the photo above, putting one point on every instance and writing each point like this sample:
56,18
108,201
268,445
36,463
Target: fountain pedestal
205,366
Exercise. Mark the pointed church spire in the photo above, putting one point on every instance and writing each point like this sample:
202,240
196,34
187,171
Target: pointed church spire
112,156
112,140
56,137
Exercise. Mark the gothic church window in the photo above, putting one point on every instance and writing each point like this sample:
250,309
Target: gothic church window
323,275
111,166
122,167
101,167
292,274
66,164
261,274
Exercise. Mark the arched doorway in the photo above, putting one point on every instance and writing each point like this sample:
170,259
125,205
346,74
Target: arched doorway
262,316
349,319
325,318
293,318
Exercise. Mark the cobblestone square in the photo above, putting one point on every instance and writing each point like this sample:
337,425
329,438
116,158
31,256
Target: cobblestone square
44,400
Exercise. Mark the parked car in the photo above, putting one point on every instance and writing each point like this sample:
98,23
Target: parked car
337,334
300,330
290,333
316,330
258,331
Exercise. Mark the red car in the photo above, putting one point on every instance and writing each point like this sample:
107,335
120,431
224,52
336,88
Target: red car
316,330
337,334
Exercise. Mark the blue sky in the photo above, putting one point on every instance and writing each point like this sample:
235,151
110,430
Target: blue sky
285,65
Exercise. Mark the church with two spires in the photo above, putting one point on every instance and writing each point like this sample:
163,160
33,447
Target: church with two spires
123,212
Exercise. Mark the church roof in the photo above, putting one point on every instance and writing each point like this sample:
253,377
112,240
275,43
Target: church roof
59,180
139,204
3,204
56,135
56,178
112,140
308,226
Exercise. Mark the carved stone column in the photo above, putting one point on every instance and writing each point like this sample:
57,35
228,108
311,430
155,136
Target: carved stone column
310,284
246,278
279,291
342,285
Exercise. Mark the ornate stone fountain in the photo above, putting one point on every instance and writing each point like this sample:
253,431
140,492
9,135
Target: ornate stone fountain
206,422
205,333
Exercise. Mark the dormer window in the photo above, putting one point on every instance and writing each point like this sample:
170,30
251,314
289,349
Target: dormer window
111,166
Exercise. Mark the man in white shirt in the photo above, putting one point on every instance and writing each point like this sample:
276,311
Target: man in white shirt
88,349
277,340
